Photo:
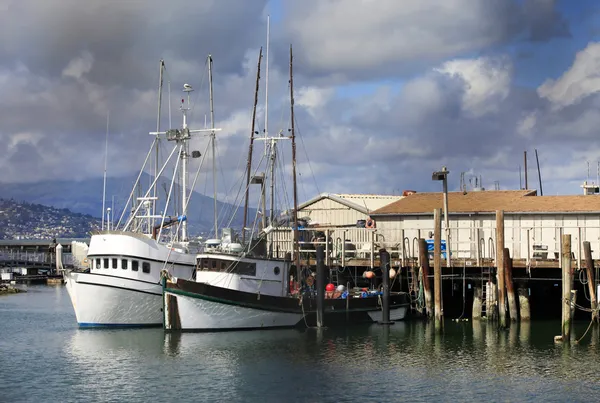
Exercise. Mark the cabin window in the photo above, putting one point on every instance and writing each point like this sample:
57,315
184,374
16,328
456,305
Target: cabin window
228,266
105,262
98,264
124,264
146,267
114,263
134,265
276,270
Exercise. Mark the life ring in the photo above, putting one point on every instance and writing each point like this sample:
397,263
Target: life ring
370,223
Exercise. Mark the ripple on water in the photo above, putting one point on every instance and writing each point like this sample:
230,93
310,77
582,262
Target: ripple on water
46,358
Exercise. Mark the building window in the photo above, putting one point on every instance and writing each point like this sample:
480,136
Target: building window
124,264
114,263
98,264
105,262
146,267
134,265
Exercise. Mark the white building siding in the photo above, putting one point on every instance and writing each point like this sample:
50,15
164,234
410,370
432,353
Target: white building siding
524,234
331,213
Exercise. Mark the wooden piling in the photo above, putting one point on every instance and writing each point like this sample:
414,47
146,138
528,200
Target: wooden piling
437,269
524,308
567,285
425,270
510,290
589,269
500,267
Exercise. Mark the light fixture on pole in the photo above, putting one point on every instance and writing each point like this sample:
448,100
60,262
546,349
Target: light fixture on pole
443,176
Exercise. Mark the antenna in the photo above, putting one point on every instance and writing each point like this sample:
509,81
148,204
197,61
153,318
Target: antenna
520,180
525,168
537,160
588,171
105,163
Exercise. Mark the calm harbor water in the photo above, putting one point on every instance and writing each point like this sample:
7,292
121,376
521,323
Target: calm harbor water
44,357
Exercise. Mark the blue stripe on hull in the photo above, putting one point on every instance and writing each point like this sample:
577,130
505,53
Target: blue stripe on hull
117,325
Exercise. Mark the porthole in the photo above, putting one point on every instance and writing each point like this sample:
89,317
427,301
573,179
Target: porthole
276,270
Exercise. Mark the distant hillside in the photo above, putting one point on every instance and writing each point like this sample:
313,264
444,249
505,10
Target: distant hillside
35,221
85,197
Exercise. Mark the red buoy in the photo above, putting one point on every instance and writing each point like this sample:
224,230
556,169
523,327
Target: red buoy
329,287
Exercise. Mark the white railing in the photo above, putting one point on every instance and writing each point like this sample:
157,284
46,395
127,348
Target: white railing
342,245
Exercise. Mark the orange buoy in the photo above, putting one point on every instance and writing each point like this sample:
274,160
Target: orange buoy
369,274
392,273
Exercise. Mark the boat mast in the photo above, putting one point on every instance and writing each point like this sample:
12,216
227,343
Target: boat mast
160,85
184,156
295,228
212,139
105,163
266,130
249,162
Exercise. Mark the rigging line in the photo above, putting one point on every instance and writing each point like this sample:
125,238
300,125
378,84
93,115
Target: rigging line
137,181
162,221
256,168
197,174
202,80
306,153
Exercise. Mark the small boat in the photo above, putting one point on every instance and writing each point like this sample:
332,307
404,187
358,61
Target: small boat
122,287
238,288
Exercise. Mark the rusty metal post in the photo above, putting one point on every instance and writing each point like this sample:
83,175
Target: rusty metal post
500,267
437,269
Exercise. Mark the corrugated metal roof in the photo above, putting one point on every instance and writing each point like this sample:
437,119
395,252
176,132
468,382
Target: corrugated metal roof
364,203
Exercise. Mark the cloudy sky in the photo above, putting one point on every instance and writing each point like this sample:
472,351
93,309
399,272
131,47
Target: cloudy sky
387,91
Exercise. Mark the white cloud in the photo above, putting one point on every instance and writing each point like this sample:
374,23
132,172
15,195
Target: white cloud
79,66
581,80
487,82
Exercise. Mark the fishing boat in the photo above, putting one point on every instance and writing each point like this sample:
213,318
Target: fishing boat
240,286
121,287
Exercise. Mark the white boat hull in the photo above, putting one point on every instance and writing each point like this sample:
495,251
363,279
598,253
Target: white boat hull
115,292
101,301
200,314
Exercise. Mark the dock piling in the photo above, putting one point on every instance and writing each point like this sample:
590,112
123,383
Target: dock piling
437,269
510,290
589,269
425,270
477,298
320,285
384,263
567,285
500,267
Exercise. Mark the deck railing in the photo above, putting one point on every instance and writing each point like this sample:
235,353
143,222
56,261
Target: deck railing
342,245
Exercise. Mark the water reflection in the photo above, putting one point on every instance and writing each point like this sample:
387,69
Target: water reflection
406,361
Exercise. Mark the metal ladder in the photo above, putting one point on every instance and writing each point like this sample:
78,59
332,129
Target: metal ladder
412,290
333,275
485,278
